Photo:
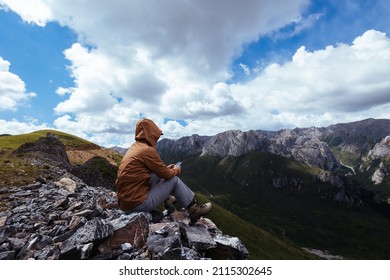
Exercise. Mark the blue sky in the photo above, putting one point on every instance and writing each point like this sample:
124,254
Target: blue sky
93,68
36,56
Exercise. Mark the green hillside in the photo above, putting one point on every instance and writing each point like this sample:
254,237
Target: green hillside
70,141
261,244
297,212
18,169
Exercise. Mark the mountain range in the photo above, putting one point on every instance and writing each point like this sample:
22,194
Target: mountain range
328,148
298,193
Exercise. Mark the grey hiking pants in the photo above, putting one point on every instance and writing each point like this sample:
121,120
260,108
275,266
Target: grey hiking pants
161,189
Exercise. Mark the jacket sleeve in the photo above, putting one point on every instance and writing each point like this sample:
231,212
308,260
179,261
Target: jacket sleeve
156,165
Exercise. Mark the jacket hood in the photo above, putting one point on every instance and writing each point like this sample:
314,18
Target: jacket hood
148,132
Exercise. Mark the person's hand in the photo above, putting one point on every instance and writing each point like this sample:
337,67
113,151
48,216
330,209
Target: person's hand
176,167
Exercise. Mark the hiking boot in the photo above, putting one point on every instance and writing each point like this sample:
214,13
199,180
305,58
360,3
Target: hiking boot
196,211
169,202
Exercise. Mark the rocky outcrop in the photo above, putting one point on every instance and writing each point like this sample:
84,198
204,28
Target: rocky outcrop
381,149
68,219
50,153
379,174
349,193
49,149
328,177
97,171
377,161
71,212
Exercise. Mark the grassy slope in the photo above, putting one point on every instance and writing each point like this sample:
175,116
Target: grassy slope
260,243
243,186
17,170
70,141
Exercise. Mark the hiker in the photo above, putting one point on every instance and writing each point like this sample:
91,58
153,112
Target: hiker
144,181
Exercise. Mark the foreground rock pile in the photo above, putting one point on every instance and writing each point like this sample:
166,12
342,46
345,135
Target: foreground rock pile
68,219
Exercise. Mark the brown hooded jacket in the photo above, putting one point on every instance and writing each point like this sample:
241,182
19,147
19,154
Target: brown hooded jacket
132,183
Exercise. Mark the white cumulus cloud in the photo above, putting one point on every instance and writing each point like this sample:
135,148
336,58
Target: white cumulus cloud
13,93
18,127
31,11
328,85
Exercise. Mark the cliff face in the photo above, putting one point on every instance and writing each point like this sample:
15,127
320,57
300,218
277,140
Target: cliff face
377,162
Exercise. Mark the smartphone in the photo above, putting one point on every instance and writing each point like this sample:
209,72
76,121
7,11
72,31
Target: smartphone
178,163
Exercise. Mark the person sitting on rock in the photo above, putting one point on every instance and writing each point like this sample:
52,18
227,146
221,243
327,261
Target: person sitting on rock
143,181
